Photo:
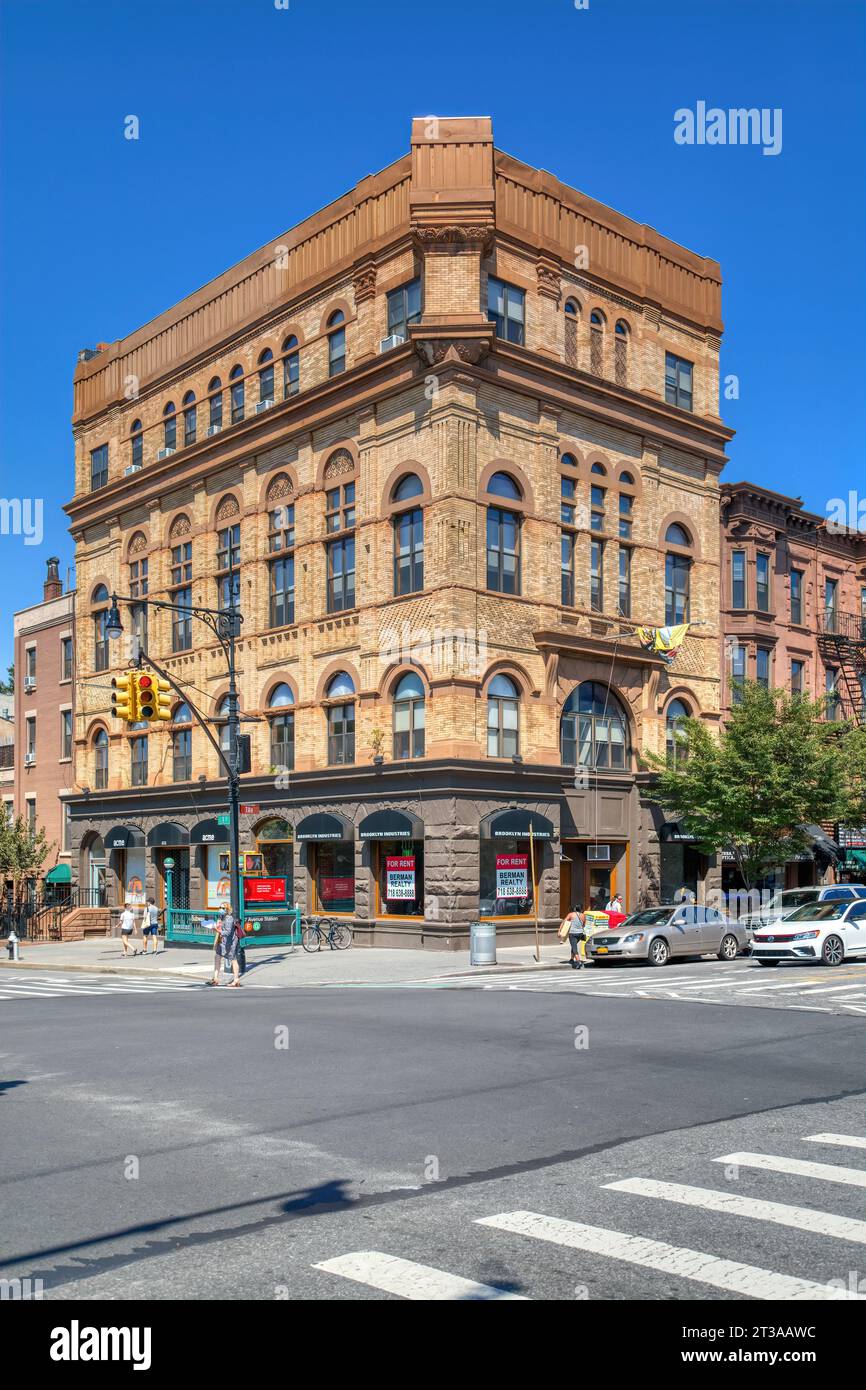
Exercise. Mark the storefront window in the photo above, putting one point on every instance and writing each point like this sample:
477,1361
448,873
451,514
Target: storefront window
334,876
275,843
506,878
399,878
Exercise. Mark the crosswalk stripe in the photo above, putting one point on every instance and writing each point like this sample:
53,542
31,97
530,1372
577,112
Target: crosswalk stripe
675,1260
780,1213
834,989
774,1163
410,1280
847,1141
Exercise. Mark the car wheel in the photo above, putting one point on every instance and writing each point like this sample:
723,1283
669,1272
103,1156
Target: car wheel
833,951
729,949
768,962
659,951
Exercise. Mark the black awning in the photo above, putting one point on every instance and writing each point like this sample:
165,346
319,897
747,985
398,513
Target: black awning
323,826
390,825
515,825
209,832
673,832
124,837
167,834
821,840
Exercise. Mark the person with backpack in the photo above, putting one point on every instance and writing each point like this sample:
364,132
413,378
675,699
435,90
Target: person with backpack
573,926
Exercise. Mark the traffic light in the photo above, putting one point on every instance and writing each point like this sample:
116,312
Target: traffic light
124,701
163,699
146,695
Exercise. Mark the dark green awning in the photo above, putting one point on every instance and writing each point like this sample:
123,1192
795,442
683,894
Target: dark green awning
61,873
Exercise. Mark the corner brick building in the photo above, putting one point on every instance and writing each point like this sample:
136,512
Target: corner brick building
459,431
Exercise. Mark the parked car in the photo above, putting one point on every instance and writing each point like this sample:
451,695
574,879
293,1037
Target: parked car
829,932
782,904
677,929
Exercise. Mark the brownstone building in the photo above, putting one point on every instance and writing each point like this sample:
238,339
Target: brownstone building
456,435
45,718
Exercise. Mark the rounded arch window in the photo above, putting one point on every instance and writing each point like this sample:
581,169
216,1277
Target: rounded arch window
677,535
408,487
341,720
626,479
266,356
675,748
568,460
291,344
190,418
340,686
599,468
136,444
100,594
214,384
291,366
337,317
621,328
189,398
336,343
572,308
100,759
215,406
282,726
503,718
135,427
182,714
281,696
169,426
597,319
266,376
409,717
503,485
594,730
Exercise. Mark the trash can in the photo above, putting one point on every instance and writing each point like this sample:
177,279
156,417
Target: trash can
482,943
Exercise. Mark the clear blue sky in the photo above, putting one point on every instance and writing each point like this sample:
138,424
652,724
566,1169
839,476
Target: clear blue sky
253,117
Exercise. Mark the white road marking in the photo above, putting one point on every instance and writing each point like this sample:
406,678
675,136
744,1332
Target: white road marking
411,1280
674,1260
833,989
775,1163
825,1223
847,1141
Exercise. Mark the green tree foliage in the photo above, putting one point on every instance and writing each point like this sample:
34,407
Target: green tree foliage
22,851
7,687
777,764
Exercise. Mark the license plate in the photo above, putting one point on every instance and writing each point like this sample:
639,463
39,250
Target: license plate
601,950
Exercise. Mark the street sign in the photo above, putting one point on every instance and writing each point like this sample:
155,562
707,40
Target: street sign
223,820
248,810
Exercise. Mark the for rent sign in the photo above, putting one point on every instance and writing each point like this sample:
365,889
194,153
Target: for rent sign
400,877
512,875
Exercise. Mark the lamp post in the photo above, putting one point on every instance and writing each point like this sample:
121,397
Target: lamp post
225,624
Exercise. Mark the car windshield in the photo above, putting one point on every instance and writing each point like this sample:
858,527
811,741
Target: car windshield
794,897
648,918
818,912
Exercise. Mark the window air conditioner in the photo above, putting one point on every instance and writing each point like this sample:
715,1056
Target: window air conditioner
394,340
29,683
133,468
263,405
165,453
598,853
29,759
214,429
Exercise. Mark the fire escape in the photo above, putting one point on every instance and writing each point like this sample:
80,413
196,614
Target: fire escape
842,644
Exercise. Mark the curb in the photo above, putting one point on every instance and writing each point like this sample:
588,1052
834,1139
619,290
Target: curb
93,970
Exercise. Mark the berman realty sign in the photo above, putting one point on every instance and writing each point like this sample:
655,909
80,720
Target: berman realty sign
512,875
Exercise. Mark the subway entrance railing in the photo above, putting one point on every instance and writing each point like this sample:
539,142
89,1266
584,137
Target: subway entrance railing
187,926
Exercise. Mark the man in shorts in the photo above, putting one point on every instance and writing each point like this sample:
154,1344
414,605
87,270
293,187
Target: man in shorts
127,926
151,926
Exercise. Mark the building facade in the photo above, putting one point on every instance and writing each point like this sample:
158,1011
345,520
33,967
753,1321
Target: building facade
444,444
7,755
44,653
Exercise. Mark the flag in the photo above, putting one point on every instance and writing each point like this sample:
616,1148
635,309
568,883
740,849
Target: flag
664,641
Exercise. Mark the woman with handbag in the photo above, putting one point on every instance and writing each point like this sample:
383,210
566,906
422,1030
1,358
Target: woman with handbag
226,940
573,926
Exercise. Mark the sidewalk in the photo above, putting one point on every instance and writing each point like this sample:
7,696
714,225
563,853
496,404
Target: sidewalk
279,965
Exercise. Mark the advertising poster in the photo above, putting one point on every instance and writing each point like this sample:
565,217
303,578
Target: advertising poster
264,890
400,877
332,890
512,875
219,889
133,888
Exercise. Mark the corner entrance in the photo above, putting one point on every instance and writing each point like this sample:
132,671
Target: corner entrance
587,880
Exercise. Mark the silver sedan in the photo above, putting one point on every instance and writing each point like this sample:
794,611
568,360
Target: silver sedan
656,934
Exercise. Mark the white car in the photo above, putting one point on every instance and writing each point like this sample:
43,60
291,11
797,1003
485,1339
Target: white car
783,903
826,931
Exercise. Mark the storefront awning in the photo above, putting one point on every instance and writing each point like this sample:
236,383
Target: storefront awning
323,826
167,834
673,832
514,825
209,832
124,837
390,825
821,840
61,873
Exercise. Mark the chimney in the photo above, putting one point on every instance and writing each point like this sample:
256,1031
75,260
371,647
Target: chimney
53,587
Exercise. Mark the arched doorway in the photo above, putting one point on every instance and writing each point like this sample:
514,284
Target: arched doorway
94,871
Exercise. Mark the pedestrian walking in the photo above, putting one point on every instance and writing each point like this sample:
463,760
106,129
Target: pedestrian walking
151,926
573,926
127,927
615,904
225,944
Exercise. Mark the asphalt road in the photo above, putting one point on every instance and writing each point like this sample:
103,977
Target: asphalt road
303,1143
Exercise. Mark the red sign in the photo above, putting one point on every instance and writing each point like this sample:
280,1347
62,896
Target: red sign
512,875
331,890
264,890
400,877
247,809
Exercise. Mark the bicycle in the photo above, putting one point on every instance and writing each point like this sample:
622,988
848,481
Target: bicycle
317,930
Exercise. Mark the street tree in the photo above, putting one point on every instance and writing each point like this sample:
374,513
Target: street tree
776,765
23,851
7,687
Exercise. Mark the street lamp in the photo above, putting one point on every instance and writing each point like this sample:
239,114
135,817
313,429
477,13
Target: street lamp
113,628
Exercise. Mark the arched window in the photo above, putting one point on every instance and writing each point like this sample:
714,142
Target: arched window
568,461
169,427
572,317
503,718
190,419
100,760
281,718
409,717
266,378
99,606
620,351
236,386
503,538
596,342
291,367
677,577
215,399
676,749
336,343
181,743
594,729
408,538
136,444
341,720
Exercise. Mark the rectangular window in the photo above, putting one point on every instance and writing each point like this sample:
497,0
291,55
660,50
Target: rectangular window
181,576
797,596
66,733
678,381
30,664
831,690
568,494
831,592
625,581
505,308
341,734
409,552
503,551
738,579
98,467
625,515
334,877
292,374
101,643
66,658
596,499
738,672
30,733
216,411
596,576
190,425
762,582
341,574
863,614
282,591
281,528
797,677
31,813
228,566
138,753
762,667
340,508
677,584
67,828
566,547
337,352
404,307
